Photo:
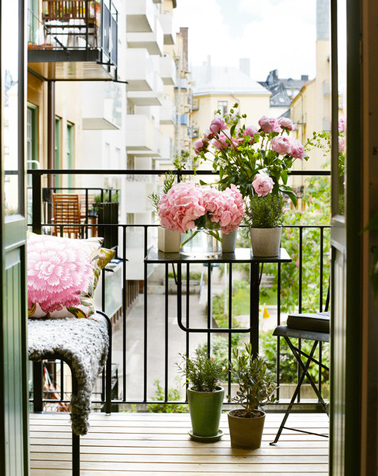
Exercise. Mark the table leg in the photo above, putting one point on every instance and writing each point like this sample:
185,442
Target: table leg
254,307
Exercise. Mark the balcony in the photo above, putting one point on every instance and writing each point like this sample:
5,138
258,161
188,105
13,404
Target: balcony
167,112
72,43
137,197
128,443
140,133
166,147
139,16
148,98
166,20
139,70
153,42
157,444
105,114
182,83
168,70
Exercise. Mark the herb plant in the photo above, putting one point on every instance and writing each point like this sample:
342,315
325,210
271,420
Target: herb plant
256,385
265,212
201,372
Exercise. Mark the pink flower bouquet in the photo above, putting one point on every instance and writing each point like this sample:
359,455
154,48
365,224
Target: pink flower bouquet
187,207
243,154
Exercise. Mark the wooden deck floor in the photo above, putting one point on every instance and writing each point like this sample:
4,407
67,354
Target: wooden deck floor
126,444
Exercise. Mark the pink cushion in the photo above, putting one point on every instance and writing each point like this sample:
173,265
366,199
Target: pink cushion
62,275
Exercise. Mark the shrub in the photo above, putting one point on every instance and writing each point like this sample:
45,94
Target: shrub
201,372
265,212
173,396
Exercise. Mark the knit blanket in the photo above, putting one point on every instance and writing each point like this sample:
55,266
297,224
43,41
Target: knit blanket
83,344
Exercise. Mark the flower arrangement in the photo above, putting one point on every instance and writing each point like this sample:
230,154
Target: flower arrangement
187,206
257,159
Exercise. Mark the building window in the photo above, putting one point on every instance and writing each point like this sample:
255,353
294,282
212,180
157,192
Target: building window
70,152
223,107
58,151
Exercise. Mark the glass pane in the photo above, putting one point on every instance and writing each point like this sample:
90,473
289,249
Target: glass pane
342,80
10,73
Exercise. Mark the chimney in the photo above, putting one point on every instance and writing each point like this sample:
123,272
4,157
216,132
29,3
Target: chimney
208,69
304,77
184,35
322,19
245,66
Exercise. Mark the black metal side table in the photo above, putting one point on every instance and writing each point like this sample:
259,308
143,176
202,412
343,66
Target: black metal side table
241,255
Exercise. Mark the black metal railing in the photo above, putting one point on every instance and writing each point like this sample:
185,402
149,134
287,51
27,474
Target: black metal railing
137,330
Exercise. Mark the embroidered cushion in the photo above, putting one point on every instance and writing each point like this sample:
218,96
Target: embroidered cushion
63,274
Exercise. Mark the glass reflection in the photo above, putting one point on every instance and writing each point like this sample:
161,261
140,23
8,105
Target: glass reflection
342,81
10,57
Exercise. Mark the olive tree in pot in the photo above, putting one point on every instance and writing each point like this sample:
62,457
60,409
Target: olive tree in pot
205,396
265,215
256,387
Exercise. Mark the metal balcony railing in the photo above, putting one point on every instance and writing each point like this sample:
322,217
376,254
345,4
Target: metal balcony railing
148,338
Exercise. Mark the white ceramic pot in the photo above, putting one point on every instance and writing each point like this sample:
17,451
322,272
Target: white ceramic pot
229,242
168,241
265,242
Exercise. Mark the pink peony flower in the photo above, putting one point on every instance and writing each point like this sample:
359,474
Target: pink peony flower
250,131
286,123
222,142
180,207
341,144
297,149
208,136
200,145
281,145
269,124
262,184
342,124
217,124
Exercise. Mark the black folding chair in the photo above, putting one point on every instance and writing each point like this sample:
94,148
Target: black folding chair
313,327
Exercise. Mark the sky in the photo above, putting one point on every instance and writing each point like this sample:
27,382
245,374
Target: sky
274,34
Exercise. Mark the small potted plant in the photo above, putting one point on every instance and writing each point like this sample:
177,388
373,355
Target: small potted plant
256,387
205,396
265,216
107,208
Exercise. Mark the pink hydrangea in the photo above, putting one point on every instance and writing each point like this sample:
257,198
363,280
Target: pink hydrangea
180,207
286,123
262,184
269,124
281,145
297,149
58,271
226,207
217,124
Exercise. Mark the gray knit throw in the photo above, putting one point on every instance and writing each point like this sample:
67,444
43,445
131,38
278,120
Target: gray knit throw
83,344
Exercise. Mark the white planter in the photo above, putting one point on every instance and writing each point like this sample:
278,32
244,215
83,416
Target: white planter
265,242
168,241
229,242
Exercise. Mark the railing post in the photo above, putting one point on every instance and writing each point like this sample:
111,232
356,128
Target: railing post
37,203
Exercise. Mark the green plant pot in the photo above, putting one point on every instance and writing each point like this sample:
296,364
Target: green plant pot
246,432
205,411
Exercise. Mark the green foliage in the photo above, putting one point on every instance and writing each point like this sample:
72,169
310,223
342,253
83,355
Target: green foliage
256,383
219,347
173,396
288,367
107,197
169,181
265,212
201,372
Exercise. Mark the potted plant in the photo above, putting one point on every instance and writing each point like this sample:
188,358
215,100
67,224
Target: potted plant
258,159
256,387
205,396
107,207
264,215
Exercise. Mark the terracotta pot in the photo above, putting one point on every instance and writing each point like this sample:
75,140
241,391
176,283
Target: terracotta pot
246,432
266,242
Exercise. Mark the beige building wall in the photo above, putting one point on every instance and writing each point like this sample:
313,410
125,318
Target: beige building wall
255,106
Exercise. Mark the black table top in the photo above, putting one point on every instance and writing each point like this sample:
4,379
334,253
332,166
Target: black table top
241,255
